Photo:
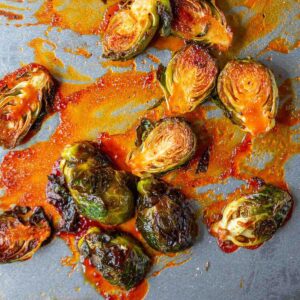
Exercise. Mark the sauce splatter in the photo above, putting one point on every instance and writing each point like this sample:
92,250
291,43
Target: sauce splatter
10,15
80,16
44,51
79,51
281,45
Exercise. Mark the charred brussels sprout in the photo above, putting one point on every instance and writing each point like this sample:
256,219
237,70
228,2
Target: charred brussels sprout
24,96
201,21
165,145
132,27
118,256
188,79
253,219
22,232
248,93
99,191
164,217
60,197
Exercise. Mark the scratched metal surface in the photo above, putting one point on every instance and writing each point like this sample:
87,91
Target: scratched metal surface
271,272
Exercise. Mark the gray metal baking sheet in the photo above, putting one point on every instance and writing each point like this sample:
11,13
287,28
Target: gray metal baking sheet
271,272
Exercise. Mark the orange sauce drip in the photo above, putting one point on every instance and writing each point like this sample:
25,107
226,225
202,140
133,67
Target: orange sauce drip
10,15
170,264
266,15
44,51
171,43
281,45
119,64
79,51
154,58
12,7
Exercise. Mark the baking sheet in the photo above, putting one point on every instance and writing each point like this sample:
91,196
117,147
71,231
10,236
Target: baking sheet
271,272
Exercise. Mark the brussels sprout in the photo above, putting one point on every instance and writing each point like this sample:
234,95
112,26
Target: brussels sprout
248,93
24,95
22,232
188,79
132,27
253,219
99,191
60,197
201,21
164,217
166,145
119,257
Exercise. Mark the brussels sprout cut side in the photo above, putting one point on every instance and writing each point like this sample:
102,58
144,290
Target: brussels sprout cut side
201,21
24,95
100,192
167,144
132,27
188,79
164,217
22,232
117,256
248,93
251,220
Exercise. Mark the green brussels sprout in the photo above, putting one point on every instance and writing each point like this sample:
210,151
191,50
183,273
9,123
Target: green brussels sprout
22,233
164,217
248,94
167,144
188,79
24,95
251,220
100,192
201,21
117,256
132,27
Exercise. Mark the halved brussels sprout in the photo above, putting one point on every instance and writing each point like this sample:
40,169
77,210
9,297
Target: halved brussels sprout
167,144
22,233
24,95
201,21
132,27
251,220
164,217
99,191
119,257
248,93
188,79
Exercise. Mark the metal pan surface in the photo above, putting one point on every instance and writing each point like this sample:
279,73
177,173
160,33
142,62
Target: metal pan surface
270,272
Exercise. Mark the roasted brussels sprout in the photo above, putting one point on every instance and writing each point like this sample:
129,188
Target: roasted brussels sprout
188,79
22,232
165,145
253,219
119,257
248,93
60,197
24,95
201,21
99,191
132,27
164,217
